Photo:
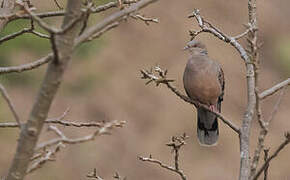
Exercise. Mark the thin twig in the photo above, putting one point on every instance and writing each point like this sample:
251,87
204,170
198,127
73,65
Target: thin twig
242,34
26,67
266,154
40,22
58,120
146,20
43,158
176,143
57,4
111,19
277,105
23,31
14,35
10,104
274,89
94,175
250,74
216,32
107,28
105,129
98,9
263,132
276,152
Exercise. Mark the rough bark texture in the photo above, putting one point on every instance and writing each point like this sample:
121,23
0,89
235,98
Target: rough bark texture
31,130
249,114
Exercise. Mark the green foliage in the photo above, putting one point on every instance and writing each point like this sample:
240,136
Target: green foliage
284,56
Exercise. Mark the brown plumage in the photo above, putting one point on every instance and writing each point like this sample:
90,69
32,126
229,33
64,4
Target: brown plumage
203,80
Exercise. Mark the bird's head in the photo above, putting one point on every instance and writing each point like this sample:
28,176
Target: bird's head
195,47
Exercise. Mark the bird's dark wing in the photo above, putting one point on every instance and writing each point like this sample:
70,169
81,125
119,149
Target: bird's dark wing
222,83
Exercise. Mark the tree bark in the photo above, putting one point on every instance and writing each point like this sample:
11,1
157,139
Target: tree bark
251,87
53,77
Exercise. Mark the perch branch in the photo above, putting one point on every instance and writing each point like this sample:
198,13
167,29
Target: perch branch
250,75
162,79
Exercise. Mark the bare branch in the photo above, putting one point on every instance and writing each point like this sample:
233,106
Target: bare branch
104,129
266,154
263,133
107,28
111,19
57,4
40,34
14,35
277,105
40,15
250,74
162,79
242,34
26,67
209,28
56,121
46,157
98,9
10,104
274,89
23,31
118,177
52,80
94,175
176,143
146,20
276,152
40,22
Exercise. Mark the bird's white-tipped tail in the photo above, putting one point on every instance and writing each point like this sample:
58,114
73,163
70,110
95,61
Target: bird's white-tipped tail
207,128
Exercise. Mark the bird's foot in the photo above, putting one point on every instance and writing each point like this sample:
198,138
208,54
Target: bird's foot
213,108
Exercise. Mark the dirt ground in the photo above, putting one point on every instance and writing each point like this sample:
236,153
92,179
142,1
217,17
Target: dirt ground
154,114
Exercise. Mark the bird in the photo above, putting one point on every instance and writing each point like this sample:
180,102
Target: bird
203,81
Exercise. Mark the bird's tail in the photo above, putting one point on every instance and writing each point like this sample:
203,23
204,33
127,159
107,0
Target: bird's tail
207,127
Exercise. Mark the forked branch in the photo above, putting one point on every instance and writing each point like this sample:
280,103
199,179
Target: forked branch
175,145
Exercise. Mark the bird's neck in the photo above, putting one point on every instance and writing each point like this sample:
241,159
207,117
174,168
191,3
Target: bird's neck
199,52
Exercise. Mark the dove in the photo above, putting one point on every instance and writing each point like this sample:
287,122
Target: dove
203,81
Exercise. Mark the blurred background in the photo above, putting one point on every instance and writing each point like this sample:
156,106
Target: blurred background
103,83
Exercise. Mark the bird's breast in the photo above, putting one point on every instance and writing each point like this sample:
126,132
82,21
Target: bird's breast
202,83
